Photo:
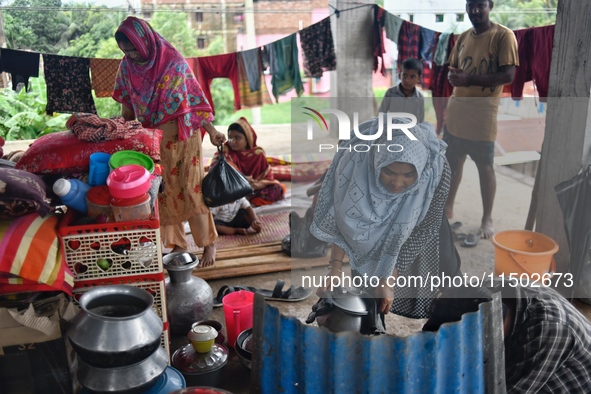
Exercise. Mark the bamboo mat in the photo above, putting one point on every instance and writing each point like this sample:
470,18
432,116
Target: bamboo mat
275,227
239,255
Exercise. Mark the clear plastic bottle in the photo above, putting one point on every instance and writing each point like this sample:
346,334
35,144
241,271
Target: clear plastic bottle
72,193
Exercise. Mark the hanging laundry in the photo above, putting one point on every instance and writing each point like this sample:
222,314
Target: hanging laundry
103,73
427,76
426,44
535,55
392,24
540,57
219,66
269,59
318,47
428,65
408,42
20,64
253,67
68,84
377,39
523,71
288,73
441,88
249,98
441,53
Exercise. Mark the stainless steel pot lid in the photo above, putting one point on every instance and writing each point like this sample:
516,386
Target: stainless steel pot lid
187,360
350,300
180,261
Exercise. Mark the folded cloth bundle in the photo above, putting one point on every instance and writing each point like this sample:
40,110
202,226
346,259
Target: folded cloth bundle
90,127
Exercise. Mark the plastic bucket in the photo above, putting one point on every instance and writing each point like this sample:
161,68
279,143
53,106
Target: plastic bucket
238,310
523,252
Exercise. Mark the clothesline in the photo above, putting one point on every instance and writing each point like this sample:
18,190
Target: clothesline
69,86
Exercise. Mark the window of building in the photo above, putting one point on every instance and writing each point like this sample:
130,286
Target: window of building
438,17
201,43
199,17
411,18
459,17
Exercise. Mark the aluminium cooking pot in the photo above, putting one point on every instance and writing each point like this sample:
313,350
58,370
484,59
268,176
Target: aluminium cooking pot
347,309
129,379
116,327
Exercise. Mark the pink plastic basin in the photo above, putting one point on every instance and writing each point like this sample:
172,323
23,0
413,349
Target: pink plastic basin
129,181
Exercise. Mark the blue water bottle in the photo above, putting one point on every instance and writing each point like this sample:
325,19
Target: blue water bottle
72,193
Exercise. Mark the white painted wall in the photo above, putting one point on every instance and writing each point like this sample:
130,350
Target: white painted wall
424,13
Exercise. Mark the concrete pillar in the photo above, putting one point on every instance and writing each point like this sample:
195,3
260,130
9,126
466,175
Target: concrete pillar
567,139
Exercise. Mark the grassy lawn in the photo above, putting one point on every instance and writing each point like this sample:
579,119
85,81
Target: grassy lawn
281,113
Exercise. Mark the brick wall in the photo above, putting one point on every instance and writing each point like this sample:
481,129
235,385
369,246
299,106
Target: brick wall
285,20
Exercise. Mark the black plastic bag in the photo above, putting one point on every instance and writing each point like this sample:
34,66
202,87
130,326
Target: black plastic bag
224,184
302,243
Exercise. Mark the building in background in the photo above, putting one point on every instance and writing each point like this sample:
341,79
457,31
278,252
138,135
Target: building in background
273,19
438,15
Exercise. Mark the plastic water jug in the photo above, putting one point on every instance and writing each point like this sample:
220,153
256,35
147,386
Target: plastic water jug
72,193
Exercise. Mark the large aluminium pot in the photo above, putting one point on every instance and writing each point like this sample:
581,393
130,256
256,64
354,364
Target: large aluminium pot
188,298
117,326
129,379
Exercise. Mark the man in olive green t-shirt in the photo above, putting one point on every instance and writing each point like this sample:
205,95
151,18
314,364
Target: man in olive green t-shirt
481,62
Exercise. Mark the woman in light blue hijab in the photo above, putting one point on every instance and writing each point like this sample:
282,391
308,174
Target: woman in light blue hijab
383,208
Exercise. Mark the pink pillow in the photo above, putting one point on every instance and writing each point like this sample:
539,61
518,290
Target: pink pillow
63,152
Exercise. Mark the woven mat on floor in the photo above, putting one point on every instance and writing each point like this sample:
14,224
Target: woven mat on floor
275,228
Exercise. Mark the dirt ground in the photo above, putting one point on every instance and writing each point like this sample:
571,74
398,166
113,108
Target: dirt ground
510,213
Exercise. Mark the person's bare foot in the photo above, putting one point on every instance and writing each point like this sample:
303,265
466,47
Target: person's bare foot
208,258
252,230
256,227
241,231
486,229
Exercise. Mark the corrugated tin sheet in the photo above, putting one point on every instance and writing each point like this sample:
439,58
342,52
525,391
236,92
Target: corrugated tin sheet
300,358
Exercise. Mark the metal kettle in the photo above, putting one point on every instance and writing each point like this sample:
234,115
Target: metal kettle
347,309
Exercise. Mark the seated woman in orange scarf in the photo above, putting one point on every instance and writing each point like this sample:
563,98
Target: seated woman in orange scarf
242,152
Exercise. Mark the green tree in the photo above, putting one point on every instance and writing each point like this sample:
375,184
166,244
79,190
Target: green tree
89,30
174,27
43,19
520,14
109,49
18,36
539,18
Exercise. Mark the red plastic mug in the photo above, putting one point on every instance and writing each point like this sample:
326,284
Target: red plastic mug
238,311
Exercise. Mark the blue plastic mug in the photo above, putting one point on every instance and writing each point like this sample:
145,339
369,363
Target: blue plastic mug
99,169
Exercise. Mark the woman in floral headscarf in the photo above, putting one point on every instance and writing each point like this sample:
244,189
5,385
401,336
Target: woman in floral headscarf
156,85
242,151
